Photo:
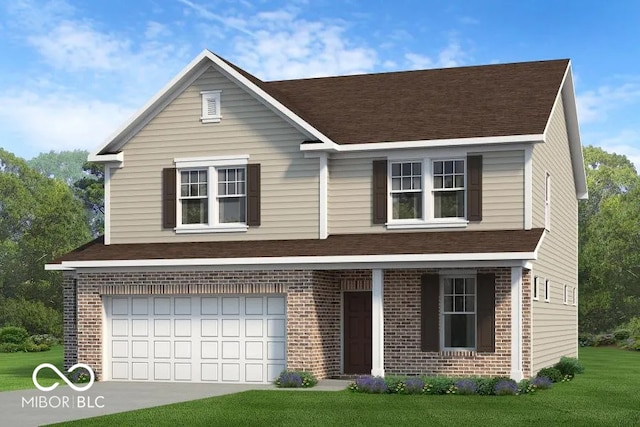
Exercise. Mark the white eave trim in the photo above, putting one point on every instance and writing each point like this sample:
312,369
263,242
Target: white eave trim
427,143
106,158
567,92
309,260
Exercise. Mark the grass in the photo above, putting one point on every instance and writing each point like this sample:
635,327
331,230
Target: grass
16,368
606,394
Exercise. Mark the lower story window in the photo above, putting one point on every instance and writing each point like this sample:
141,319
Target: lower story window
459,312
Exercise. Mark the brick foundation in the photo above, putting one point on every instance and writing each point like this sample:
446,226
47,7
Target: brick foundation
313,315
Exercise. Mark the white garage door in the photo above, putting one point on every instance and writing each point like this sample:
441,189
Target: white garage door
222,338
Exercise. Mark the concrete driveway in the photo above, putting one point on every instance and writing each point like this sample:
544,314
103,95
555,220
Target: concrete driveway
34,407
17,408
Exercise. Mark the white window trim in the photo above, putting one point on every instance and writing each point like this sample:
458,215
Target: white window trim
211,164
428,220
547,201
536,288
206,95
441,308
547,291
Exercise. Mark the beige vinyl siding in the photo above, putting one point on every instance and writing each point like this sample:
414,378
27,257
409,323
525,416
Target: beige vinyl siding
555,324
350,194
289,182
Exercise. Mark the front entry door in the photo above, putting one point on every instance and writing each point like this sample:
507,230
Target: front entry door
357,332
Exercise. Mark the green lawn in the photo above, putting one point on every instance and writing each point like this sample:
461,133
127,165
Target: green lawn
608,393
16,368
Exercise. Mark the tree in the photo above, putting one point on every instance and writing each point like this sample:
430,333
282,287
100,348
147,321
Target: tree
609,239
40,219
63,165
90,190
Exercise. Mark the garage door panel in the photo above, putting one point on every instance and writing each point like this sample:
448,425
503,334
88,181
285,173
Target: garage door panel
209,305
209,350
209,328
139,328
223,338
140,349
162,349
182,306
140,306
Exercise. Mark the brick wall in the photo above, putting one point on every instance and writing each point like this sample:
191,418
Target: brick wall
402,330
313,300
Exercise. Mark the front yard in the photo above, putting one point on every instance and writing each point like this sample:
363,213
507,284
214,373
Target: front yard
606,394
16,368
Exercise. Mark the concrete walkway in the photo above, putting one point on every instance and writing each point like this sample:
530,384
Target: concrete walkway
34,407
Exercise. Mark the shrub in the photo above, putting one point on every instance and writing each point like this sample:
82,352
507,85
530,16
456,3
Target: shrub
633,326
632,344
621,334
506,387
80,376
585,340
34,348
47,339
395,383
552,373
439,385
569,366
413,385
486,386
13,335
604,339
9,347
526,387
294,379
466,386
369,384
34,316
541,383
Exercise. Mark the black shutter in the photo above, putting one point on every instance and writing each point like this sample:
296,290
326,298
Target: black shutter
379,191
474,188
429,309
486,333
253,194
169,198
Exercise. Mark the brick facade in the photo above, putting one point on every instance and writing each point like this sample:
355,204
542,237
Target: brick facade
313,315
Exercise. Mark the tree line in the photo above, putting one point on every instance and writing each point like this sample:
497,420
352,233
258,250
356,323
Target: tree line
53,203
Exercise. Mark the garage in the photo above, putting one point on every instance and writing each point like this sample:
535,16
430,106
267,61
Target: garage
212,338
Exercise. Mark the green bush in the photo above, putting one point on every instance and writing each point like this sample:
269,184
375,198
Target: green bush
604,339
621,334
633,325
552,373
34,348
34,316
439,385
293,379
9,347
586,340
395,383
486,386
632,344
569,366
13,335
47,339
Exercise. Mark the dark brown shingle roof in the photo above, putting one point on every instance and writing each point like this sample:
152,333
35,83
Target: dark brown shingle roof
446,242
465,102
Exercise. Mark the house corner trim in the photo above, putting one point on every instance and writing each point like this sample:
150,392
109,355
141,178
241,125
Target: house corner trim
377,319
516,323
323,229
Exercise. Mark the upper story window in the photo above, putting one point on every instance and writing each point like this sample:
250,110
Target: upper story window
448,189
213,193
423,191
210,106
406,190
547,291
536,286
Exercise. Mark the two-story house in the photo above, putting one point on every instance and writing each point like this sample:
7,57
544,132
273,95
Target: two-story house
420,222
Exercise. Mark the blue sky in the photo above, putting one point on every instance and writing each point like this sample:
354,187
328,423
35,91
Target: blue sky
73,71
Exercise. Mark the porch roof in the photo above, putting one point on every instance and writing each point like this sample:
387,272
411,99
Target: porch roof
441,244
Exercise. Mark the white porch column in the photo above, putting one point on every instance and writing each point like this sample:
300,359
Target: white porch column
516,323
377,327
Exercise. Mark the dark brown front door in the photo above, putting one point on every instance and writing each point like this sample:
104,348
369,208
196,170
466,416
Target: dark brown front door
357,332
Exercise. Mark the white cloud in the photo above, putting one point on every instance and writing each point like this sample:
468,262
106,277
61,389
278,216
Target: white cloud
625,141
57,121
451,55
595,105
